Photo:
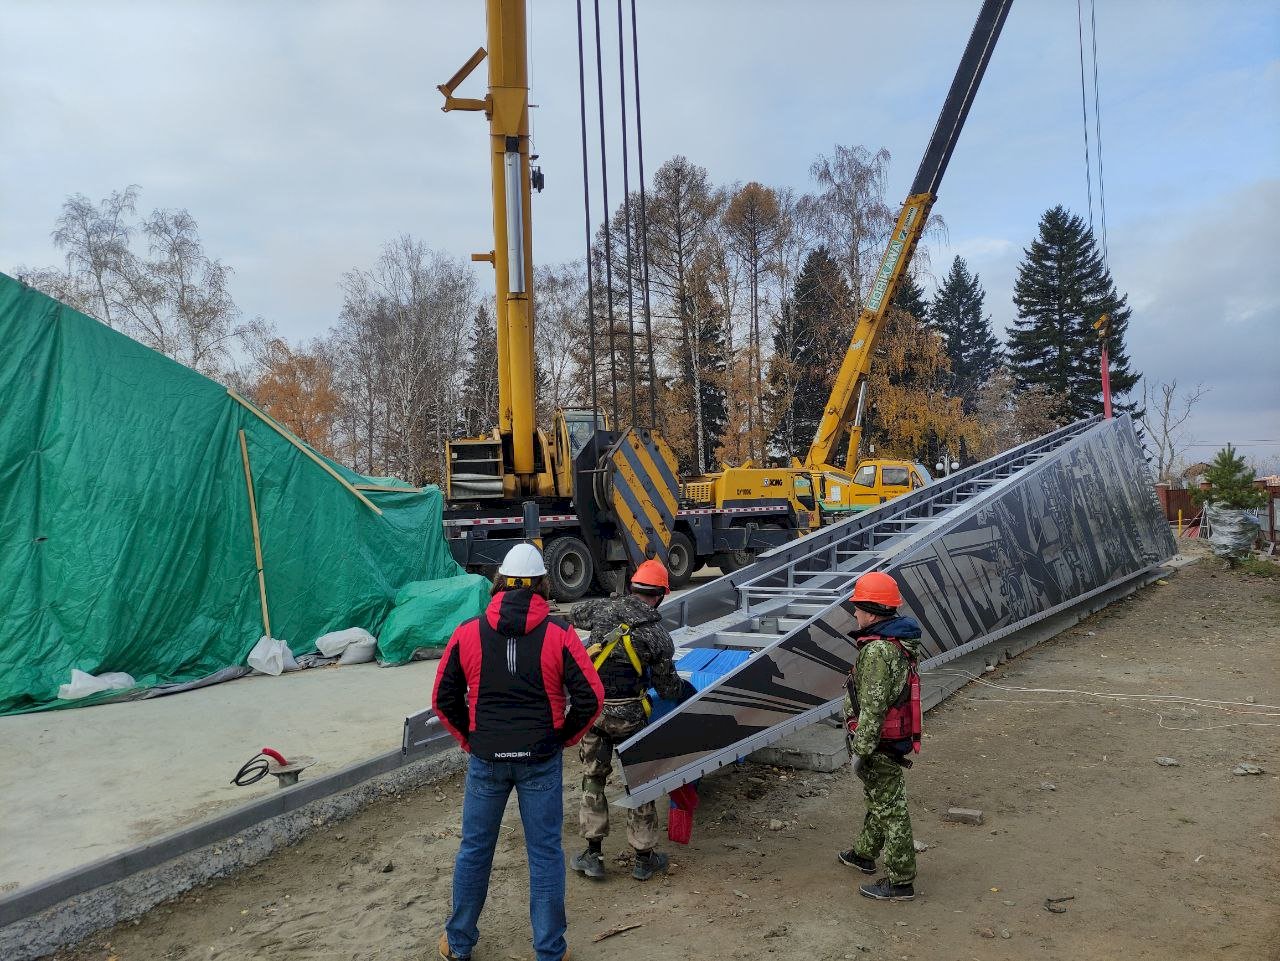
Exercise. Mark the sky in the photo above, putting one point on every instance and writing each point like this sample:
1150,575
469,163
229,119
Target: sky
304,134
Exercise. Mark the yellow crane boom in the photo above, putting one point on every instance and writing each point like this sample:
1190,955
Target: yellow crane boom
507,108
847,403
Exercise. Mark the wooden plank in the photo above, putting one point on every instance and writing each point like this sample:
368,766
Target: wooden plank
257,536
306,450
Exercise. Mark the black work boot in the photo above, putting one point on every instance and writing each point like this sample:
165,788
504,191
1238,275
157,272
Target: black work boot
648,863
590,863
853,859
886,890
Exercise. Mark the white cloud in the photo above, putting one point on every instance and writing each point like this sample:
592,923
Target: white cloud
302,135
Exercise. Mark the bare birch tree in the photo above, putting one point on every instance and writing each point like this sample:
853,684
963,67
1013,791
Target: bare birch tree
403,341
1166,411
561,304
682,207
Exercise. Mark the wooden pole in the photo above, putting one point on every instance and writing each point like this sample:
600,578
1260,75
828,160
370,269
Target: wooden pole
302,447
1179,521
257,536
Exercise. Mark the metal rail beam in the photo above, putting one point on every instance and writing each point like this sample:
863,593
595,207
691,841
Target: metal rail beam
988,551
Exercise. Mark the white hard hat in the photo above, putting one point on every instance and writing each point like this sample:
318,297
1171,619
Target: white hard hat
523,560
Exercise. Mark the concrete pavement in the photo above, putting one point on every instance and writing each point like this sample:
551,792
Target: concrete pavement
87,782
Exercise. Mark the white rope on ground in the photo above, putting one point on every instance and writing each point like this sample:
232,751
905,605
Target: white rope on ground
1179,703
1110,694
1159,715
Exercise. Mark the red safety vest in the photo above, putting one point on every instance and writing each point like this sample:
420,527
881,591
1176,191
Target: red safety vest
903,723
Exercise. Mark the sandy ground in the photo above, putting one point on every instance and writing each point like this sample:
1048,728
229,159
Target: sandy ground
1162,862
115,775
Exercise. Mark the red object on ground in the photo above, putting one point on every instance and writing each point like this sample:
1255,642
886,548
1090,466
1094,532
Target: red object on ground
684,801
275,755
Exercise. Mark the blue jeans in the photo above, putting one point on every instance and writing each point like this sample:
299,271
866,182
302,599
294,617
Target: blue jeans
539,791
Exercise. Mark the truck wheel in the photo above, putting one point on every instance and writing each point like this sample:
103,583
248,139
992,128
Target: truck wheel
680,560
733,561
569,567
611,580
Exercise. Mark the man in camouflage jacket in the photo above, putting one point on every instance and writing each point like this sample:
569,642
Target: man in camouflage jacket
624,711
877,683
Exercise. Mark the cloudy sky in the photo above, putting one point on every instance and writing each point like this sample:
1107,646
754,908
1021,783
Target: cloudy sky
303,135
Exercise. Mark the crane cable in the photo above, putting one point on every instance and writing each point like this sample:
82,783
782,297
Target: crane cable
1084,114
644,223
626,218
1096,151
1097,121
608,233
586,218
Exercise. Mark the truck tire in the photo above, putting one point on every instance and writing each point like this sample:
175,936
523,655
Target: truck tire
610,581
569,567
680,560
732,561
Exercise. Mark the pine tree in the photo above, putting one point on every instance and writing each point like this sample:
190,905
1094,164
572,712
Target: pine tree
480,393
956,314
1063,287
910,297
1230,483
810,337
708,325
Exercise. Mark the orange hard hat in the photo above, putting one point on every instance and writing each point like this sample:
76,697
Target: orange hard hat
877,587
651,574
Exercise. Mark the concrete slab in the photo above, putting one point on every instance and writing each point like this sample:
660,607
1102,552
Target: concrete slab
85,783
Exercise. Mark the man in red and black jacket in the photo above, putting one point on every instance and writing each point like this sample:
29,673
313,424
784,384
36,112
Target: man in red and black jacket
515,687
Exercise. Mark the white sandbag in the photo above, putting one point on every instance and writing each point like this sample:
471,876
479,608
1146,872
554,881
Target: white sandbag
271,656
82,684
335,642
359,652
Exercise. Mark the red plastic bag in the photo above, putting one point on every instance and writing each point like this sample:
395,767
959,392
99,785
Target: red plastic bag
684,801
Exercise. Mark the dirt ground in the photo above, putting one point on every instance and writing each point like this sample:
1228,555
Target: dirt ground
1161,862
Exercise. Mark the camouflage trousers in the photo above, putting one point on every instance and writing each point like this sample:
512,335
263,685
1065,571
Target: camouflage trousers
887,825
596,751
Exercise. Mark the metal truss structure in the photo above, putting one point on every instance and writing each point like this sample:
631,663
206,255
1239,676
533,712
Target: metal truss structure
979,554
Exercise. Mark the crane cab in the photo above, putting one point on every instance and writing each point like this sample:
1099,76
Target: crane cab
873,483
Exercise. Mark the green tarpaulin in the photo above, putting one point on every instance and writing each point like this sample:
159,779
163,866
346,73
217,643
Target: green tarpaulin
426,613
126,537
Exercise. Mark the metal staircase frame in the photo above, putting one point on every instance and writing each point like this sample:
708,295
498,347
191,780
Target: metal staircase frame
791,588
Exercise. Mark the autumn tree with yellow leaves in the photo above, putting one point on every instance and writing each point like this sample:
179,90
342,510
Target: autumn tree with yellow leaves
296,388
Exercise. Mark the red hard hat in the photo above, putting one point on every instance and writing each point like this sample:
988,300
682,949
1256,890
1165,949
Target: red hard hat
877,587
651,574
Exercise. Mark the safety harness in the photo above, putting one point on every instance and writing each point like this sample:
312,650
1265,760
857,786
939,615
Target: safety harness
904,721
600,651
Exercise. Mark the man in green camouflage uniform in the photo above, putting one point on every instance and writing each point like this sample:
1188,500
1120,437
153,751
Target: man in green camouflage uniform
640,660
877,683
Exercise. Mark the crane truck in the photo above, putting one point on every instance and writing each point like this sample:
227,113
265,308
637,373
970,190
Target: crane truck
599,500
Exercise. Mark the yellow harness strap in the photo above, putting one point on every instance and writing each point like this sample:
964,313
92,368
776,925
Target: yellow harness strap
600,653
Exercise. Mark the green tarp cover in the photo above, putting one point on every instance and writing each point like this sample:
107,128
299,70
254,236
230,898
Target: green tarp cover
126,542
426,613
